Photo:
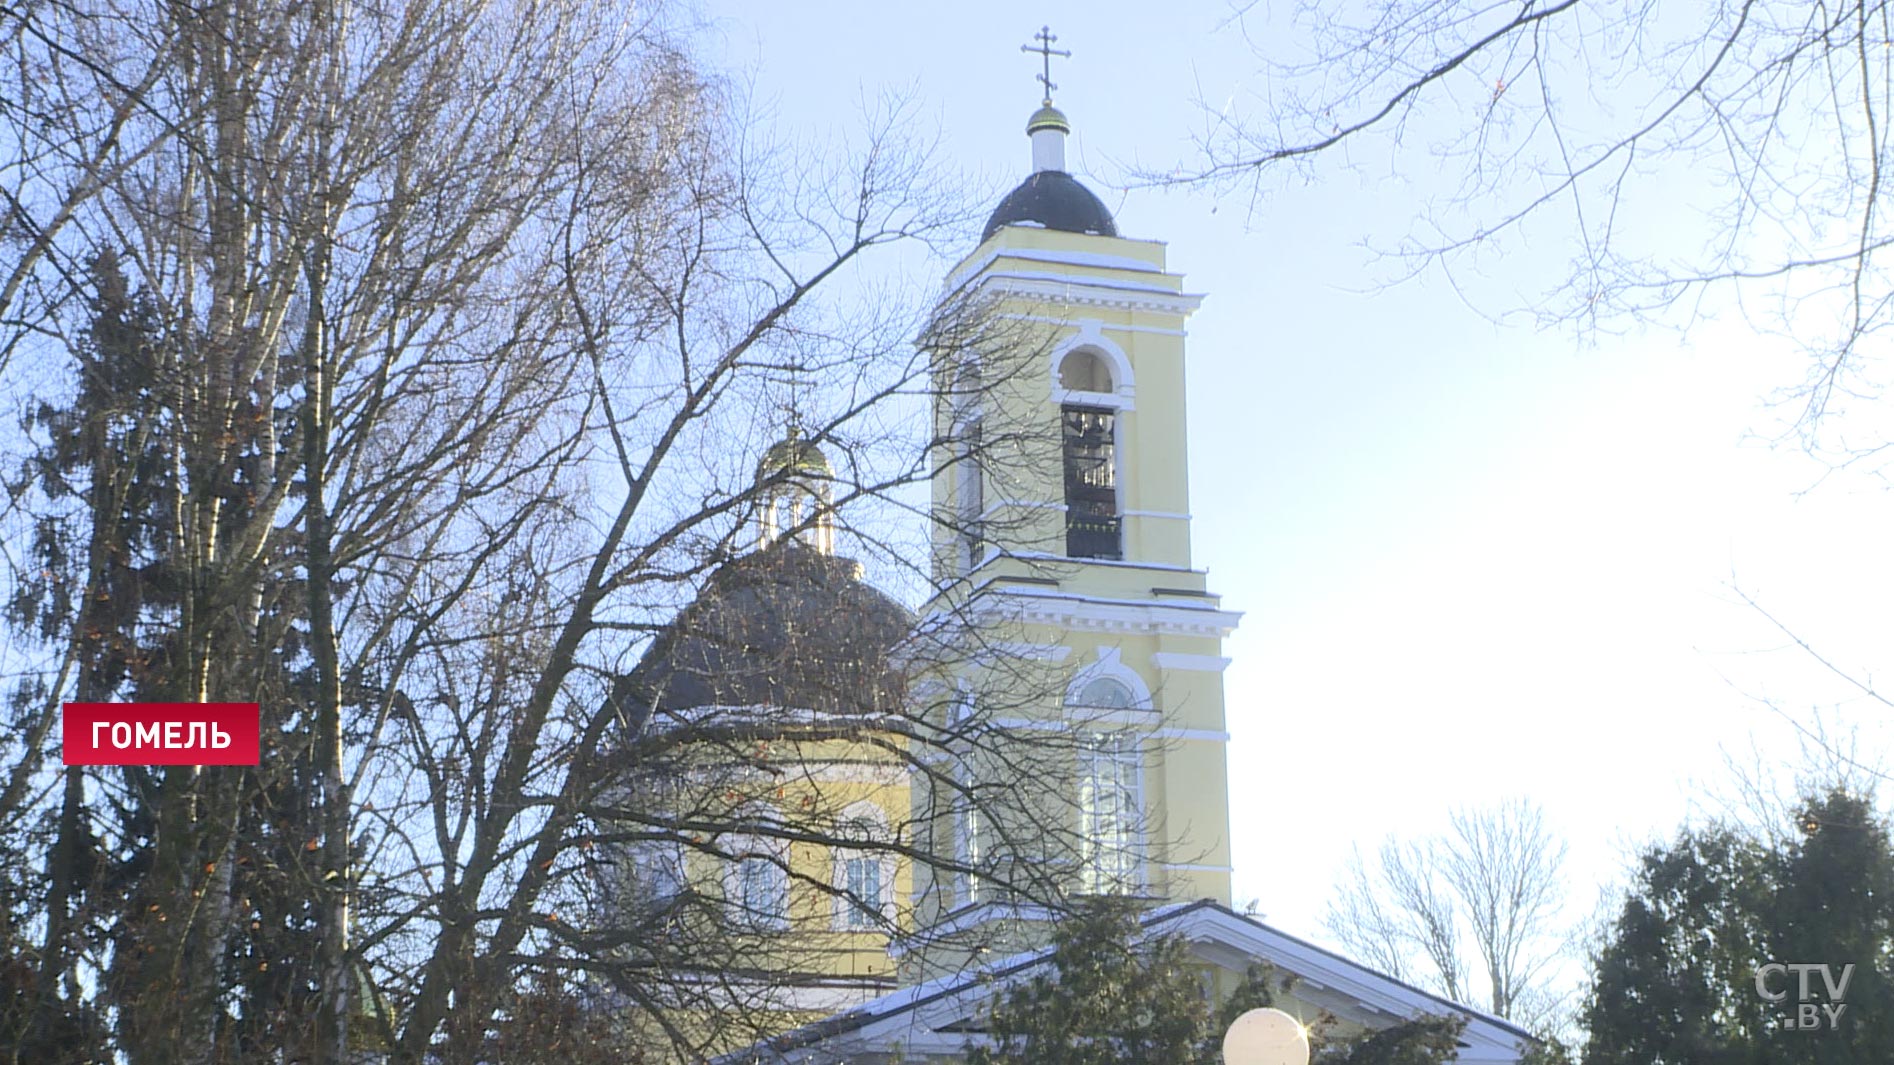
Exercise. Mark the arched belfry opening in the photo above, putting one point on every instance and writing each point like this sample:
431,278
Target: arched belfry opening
1093,519
1085,370
795,483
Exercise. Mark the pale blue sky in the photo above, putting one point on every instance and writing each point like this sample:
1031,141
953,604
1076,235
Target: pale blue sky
1476,561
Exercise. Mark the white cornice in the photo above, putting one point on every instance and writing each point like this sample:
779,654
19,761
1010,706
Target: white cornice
1043,255
1080,613
1122,327
1040,652
1090,292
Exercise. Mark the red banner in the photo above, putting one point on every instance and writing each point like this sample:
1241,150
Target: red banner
161,733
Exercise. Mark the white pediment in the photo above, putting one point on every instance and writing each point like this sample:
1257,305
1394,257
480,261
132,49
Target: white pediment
934,1021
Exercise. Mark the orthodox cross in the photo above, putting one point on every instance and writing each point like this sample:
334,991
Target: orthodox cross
1045,37
791,378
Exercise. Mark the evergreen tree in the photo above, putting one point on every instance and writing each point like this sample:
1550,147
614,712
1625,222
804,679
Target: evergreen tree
1108,999
1113,998
107,579
1676,983
98,577
1834,905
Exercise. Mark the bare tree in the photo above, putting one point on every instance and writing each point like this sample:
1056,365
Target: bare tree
1719,158
409,370
1475,913
1727,155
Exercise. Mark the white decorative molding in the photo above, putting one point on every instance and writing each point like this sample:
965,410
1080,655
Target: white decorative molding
1048,319
1038,724
1109,666
1046,255
1111,719
1084,717
829,997
1190,663
1117,720
1040,652
1090,337
1015,650
1091,614
1091,292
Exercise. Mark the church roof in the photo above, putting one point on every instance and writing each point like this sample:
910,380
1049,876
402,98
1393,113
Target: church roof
783,626
931,1019
1052,199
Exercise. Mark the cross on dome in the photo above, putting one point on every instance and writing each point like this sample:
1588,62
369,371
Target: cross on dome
1050,198
1045,37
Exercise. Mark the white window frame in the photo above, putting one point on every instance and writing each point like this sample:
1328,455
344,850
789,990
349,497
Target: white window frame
736,894
970,507
968,837
1109,665
659,855
746,850
850,917
1111,841
846,915
1091,337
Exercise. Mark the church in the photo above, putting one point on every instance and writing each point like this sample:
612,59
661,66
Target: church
1065,680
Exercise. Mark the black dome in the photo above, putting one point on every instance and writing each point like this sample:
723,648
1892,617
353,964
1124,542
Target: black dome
784,626
1053,199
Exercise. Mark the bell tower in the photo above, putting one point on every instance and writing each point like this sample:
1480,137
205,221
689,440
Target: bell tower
1062,504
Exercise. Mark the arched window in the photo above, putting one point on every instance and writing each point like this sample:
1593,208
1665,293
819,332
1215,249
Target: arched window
1084,370
756,882
970,838
1105,693
761,893
864,875
1109,809
970,489
659,870
655,882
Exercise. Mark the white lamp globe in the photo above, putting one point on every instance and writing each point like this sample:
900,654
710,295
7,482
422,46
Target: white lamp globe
1266,1037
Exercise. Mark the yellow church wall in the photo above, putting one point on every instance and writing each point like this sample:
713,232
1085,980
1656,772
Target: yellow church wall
1049,292
810,786
815,783
1184,775
1019,376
